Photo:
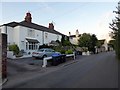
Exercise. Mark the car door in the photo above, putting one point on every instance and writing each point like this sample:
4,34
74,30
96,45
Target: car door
51,52
48,52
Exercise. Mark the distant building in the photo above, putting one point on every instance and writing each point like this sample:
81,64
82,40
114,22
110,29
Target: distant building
74,38
104,45
28,36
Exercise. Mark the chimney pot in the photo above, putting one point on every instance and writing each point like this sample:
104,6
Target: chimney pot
28,17
51,26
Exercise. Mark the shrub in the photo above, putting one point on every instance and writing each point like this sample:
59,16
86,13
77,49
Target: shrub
62,51
69,52
14,48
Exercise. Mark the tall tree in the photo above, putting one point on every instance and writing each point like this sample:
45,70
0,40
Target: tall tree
94,41
115,26
89,41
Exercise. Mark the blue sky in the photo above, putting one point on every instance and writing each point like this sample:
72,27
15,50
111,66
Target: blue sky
89,17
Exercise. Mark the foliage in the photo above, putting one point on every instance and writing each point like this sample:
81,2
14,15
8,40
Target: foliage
115,34
62,51
14,48
44,46
65,41
58,41
84,40
89,41
94,41
69,52
111,43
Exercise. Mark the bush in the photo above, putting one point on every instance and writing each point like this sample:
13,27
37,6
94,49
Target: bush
44,46
14,48
62,51
69,52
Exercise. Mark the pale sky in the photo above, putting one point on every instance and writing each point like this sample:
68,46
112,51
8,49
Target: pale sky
88,17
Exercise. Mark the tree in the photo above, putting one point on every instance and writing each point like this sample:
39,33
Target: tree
115,26
111,43
65,41
94,41
89,41
84,40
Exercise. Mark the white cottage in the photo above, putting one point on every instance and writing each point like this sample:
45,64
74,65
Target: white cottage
74,38
28,36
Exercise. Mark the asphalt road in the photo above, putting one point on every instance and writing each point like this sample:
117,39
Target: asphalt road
94,71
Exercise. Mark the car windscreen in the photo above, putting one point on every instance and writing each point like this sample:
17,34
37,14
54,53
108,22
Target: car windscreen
40,50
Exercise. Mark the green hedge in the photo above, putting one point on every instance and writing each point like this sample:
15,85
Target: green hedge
69,52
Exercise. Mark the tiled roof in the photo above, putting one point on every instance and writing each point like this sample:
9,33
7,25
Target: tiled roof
34,26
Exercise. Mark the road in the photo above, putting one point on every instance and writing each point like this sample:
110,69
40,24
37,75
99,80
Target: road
94,71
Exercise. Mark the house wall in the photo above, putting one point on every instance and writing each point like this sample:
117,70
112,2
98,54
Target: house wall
48,37
105,45
23,33
74,40
10,33
39,35
16,35
3,29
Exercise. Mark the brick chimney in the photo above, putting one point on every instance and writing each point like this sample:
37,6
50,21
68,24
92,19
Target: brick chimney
77,33
51,26
28,17
69,33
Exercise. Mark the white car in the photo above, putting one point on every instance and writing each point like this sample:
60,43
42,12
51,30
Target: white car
44,52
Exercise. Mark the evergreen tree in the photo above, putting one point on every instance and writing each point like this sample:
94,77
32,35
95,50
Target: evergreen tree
115,26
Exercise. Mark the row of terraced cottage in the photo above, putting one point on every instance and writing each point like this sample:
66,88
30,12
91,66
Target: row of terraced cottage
29,36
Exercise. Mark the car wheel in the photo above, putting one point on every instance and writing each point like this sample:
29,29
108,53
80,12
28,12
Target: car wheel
44,56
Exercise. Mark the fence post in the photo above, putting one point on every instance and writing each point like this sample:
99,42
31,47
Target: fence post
74,55
44,62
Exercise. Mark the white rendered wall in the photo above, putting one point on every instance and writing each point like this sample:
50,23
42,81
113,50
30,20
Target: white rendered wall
24,34
50,37
74,41
3,29
16,35
10,35
105,45
9,31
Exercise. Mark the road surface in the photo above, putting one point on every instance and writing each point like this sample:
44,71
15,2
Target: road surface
94,71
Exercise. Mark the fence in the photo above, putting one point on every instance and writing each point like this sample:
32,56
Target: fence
57,59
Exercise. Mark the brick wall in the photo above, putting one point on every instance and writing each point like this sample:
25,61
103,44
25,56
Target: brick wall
3,57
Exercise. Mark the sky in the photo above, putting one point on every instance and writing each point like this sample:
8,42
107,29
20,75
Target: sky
87,17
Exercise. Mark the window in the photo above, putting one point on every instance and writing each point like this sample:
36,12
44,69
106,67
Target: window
31,46
31,33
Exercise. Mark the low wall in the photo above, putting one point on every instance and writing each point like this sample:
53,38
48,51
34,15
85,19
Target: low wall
10,55
86,53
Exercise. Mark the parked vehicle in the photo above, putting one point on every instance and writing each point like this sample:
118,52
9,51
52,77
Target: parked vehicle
44,52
